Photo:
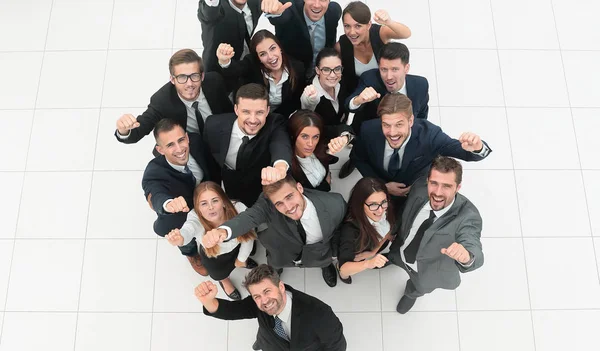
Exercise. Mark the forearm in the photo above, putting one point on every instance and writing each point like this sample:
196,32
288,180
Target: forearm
395,30
211,306
307,103
245,250
351,268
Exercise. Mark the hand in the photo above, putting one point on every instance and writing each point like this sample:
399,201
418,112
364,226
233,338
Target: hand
225,53
126,123
397,189
206,292
178,204
365,255
378,261
337,144
175,238
457,252
328,178
270,175
239,264
470,142
382,17
214,237
367,95
311,93
274,7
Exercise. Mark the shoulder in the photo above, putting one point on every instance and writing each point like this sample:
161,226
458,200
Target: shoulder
219,121
163,93
417,80
155,166
212,78
335,9
370,75
297,66
467,209
239,206
371,127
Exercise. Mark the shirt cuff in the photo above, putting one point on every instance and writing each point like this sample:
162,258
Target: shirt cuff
212,3
165,205
352,106
225,65
270,15
228,230
484,151
123,137
468,264
284,161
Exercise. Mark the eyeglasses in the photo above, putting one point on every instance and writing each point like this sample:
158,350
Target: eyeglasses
327,70
182,78
375,206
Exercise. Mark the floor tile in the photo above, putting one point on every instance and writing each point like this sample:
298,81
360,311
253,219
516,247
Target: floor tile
124,216
414,14
344,186
362,331
16,133
566,330
496,331
11,184
597,247
118,275
81,25
576,24
494,194
296,278
580,70
407,330
152,28
188,31
422,64
476,29
592,189
22,91
527,82
27,28
182,331
24,331
6,253
586,123
468,78
65,72
550,125
514,29
539,219
241,334
113,331
45,275
435,116
501,283
69,194
578,288
72,150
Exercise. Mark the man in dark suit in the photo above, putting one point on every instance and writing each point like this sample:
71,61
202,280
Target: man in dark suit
169,181
249,147
288,319
183,99
304,27
398,148
439,237
227,21
303,226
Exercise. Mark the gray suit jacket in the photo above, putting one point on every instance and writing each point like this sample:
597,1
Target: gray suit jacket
462,224
281,239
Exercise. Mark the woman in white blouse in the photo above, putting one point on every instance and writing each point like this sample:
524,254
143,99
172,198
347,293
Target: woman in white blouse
369,228
212,208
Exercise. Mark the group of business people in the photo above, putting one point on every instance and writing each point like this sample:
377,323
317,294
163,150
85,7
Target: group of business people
245,137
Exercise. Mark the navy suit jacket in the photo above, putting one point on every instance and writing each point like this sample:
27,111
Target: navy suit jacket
426,142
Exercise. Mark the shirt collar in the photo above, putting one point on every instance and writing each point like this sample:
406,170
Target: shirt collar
178,167
381,221
403,89
322,92
287,309
309,22
189,104
284,77
309,210
441,212
403,146
246,9
238,132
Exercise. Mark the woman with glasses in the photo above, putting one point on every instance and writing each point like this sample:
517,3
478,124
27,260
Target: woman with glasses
368,229
267,65
212,208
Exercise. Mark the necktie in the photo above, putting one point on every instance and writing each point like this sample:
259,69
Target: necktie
187,170
241,155
279,329
311,32
301,231
410,253
199,118
394,165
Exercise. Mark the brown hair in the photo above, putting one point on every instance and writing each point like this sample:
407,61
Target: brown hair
297,122
395,103
359,12
446,164
258,274
268,190
258,38
368,236
230,212
252,91
185,56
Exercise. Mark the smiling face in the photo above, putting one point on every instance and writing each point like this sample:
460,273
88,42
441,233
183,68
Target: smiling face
393,73
175,145
332,79
307,141
269,298
288,200
251,114
315,9
356,32
442,189
396,128
211,207
269,54
188,90
377,198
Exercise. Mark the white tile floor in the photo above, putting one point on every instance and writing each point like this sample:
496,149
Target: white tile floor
80,268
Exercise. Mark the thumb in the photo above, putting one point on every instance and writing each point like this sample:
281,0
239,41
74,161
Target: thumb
135,125
378,95
285,7
444,251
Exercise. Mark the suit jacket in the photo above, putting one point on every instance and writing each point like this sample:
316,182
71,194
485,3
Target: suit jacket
164,182
426,142
222,24
462,224
281,239
272,143
165,103
314,325
349,242
292,32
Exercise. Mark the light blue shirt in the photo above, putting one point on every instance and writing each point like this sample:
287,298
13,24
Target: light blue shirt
319,34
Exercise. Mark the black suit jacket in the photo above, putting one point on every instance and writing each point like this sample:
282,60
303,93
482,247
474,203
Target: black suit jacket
314,325
165,103
426,142
292,32
222,24
164,182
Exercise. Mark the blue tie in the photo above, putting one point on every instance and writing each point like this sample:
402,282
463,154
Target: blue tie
279,329
394,165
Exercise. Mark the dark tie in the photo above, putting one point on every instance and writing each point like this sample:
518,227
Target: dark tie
279,329
410,253
187,170
241,155
301,231
394,165
199,118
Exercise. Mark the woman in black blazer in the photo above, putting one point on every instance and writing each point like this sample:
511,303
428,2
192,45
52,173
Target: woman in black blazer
268,65
368,229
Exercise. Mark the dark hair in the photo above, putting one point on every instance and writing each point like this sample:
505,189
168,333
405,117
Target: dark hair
165,125
272,188
297,122
252,91
326,52
446,164
394,103
258,274
359,12
368,237
258,38
184,56
393,51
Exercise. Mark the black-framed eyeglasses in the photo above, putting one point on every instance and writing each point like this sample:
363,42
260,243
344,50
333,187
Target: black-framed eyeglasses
375,206
182,78
327,70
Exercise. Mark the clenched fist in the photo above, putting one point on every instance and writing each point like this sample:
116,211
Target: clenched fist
214,237
175,238
337,144
176,205
206,291
377,261
270,175
126,123
382,17
225,53
310,92
457,252
470,142
367,95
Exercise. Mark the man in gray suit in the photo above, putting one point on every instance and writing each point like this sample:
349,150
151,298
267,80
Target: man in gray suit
440,234
303,226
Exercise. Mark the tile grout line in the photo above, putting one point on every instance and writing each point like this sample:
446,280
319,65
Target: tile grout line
381,309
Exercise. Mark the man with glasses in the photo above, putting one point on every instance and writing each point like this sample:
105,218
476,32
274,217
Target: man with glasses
182,99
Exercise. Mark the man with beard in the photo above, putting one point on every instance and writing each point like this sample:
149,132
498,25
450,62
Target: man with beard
287,318
440,234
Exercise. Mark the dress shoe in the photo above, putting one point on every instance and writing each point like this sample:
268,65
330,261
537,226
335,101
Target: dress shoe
255,346
405,304
346,280
250,263
347,169
235,294
330,275
197,265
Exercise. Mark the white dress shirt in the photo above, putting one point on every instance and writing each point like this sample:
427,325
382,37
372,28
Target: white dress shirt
310,222
313,169
388,151
286,315
382,227
311,103
194,168
275,89
354,106
316,30
203,107
235,142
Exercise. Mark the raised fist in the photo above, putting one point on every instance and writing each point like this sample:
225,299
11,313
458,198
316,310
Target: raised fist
126,123
176,205
337,144
381,17
367,95
175,238
206,292
470,142
225,53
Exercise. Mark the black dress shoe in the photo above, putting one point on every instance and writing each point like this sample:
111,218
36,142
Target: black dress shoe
346,280
255,346
347,169
250,263
405,304
235,294
330,275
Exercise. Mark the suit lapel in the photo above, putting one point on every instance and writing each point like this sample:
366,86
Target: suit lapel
180,113
410,93
322,214
379,144
300,9
296,317
411,148
442,221
224,139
